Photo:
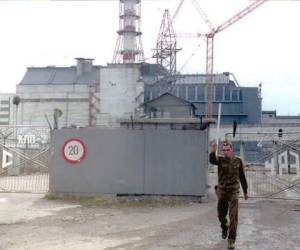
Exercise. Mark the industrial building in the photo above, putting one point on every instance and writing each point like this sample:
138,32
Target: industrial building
241,104
76,91
91,95
44,89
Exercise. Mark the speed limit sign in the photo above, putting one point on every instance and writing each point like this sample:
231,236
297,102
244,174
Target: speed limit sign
74,150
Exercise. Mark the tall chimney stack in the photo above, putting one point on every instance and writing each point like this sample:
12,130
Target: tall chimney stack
129,47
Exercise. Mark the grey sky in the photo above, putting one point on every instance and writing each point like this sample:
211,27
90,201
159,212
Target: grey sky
262,47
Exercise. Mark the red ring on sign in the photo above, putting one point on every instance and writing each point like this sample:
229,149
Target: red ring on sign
83,146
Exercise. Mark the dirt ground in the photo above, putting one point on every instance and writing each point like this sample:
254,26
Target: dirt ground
30,221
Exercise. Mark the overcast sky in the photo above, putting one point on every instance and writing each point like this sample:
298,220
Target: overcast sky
261,47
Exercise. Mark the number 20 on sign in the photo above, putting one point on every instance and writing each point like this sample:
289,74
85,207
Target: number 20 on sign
74,150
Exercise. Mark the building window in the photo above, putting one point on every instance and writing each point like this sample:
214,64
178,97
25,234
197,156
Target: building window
241,95
219,93
227,93
182,92
191,93
200,93
235,95
292,159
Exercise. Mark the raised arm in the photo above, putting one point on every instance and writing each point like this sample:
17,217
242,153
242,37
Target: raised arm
213,159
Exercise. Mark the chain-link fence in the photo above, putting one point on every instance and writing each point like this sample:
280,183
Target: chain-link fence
272,163
24,159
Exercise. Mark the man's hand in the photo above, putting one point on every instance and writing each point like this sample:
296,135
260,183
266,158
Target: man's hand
246,196
213,147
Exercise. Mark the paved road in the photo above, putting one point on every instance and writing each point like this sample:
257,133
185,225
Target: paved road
29,221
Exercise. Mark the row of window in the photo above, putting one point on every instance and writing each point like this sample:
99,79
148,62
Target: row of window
55,100
187,79
197,93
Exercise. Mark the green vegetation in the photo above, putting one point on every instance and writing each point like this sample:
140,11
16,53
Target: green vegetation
125,201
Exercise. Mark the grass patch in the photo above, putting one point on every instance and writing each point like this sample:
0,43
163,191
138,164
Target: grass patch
126,201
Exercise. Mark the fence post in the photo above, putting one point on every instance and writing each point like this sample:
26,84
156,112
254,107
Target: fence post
275,157
242,150
288,160
298,165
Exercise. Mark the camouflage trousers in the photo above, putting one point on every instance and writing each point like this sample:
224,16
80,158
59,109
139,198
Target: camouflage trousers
228,201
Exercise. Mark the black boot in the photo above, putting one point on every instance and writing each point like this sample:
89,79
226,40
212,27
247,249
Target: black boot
224,232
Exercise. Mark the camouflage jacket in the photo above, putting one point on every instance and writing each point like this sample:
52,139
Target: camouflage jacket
230,173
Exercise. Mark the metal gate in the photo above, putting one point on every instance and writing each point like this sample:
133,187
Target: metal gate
24,159
264,184
274,171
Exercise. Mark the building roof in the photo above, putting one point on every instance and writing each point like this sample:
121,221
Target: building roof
288,117
201,79
273,112
59,75
153,69
172,96
269,112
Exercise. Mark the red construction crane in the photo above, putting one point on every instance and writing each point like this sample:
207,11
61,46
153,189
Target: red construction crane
210,45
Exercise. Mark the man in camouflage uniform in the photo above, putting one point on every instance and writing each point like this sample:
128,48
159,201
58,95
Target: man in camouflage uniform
230,175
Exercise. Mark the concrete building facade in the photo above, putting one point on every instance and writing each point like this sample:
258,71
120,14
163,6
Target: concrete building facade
44,89
241,104
121,93
105,92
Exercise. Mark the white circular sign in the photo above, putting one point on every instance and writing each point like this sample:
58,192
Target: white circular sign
74,150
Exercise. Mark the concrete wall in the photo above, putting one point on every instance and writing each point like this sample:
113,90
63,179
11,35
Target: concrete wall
74,108
121,92
131,162
51,88
38,101
6,109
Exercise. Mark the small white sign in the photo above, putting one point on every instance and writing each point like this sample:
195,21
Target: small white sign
74,150
26,139
6,159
